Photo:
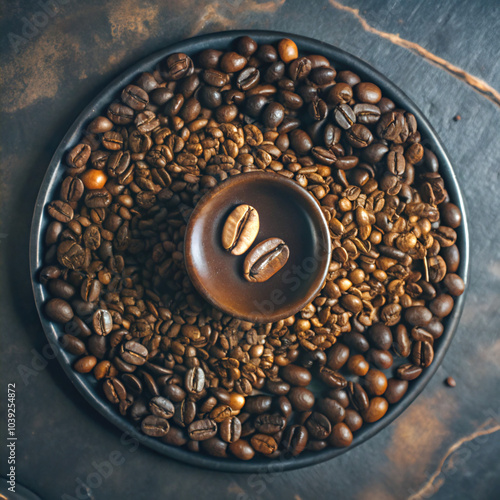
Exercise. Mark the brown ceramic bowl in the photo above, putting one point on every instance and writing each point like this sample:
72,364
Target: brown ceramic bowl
286,211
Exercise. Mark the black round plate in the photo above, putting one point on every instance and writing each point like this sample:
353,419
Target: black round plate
55,172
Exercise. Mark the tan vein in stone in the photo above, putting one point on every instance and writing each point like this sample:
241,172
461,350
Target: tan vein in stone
476,83
433,484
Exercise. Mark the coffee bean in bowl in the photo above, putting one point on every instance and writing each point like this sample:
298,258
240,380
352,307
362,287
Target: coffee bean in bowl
109,252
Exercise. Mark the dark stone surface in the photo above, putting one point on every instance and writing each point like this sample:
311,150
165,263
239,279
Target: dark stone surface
435,449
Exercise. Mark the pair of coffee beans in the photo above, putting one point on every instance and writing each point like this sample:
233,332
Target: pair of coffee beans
238,234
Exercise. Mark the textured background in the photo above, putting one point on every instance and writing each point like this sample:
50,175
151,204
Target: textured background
444,55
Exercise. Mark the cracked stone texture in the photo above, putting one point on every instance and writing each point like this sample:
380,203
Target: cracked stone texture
445,446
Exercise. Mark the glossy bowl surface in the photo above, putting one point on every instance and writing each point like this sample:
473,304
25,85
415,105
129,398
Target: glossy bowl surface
286,211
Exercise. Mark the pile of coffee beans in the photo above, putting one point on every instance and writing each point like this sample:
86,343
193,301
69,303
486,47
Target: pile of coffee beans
185,372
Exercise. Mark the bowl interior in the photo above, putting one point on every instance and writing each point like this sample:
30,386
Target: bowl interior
286,211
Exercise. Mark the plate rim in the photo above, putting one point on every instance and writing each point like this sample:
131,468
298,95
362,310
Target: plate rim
52,179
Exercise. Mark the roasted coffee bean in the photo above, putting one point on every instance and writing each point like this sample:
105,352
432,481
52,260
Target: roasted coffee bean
337,356
357,396
353,420
402,342
358,365
396,389
302,399
133,353
114,390
333,410
185,413
264,444
102,322
73,344
195,380
240,229
177,66
258,404
175,437
294,440
380,336
201,430
318,426
454,284
241,449
61,289
380,358
161,407
230,429
85,364
376,410
155,426
341,436
367,92
408,371
300,141
265,260
59,310
344,116
418,315
442,305
422,354
60,211
296,375
215,447
375,382
367,114
270,423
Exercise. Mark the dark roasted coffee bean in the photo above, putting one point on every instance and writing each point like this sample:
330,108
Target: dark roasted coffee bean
258,404
344,116
300,142
396,389
422,354
102,322
114,390
133,353
376,410
380,336
270,423
241,449
408,371
161,407
294,440
380,358
331,377
201,430
367,114
341,436
418,315
357,395
59,310
333,410
359,136
60,211
402,342
155,426
264,444
337,356
62,289
185,413
73,344
175,437
296,375
318,426
353,420
215,447
302,399
356,341
194,380
454,284
273,115
230,429
265,260
177,66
